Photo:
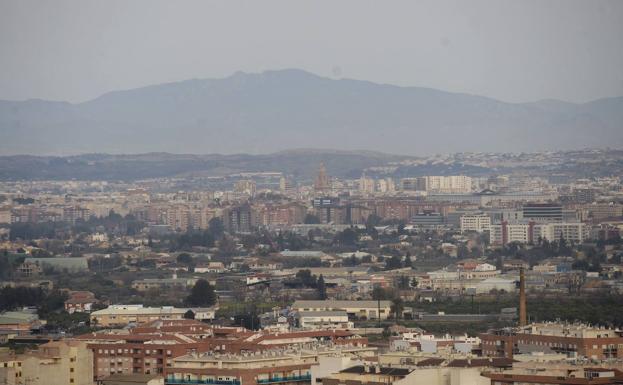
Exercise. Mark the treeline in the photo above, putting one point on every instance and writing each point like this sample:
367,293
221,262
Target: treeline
197,238
595,309
593,254
112,223
12,298
27,230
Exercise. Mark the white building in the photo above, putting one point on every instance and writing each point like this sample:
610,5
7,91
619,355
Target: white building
478,223
359,309
571,231
485,267
504,233
323,320
530,232
499,284
367,185
449,184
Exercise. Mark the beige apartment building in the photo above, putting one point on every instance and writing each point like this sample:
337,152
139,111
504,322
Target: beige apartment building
58,362
119,315
250,368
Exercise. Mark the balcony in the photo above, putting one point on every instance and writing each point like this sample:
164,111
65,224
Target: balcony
180,381
276,380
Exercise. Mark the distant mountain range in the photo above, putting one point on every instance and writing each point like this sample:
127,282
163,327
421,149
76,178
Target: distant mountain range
277,110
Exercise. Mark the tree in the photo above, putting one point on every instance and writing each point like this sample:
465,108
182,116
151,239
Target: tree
244,268
311,219
562,243
351,261
348,237
189,314
5,267
249,320
306,278
393,263
226,246
202,294
322,288
373,220
414,282
378,293
216,227
397,307
408,262
403,282
185,259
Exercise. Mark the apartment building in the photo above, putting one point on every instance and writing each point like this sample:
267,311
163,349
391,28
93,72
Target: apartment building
240,219
478,223
530,232
136,353
245,186
505,233
173,283
271,367
438,184
153,348
118,315
58,362
284,214
367,374
10,367
574,340
600,211
571,231
586,375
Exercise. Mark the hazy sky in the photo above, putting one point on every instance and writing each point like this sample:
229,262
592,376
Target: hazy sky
511,50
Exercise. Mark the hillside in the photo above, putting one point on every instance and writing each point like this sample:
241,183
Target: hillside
278,110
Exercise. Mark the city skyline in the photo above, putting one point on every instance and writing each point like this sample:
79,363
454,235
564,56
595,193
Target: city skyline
277,192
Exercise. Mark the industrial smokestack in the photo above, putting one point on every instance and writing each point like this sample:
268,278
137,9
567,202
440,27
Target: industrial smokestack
522,298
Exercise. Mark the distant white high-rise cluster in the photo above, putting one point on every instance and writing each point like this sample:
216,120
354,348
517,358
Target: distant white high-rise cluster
438,184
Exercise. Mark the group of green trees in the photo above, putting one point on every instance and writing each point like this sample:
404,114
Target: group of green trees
354,261
8,263
305,278
195,237
396,262
112,223
12,298
202,294
602,309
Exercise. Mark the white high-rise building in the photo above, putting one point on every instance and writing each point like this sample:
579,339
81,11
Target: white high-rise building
530,232
477,222
386,185
367,185
453,184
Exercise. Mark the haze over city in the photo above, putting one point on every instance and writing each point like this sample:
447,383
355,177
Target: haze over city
311,192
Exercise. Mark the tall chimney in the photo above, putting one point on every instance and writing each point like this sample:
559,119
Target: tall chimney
522,298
